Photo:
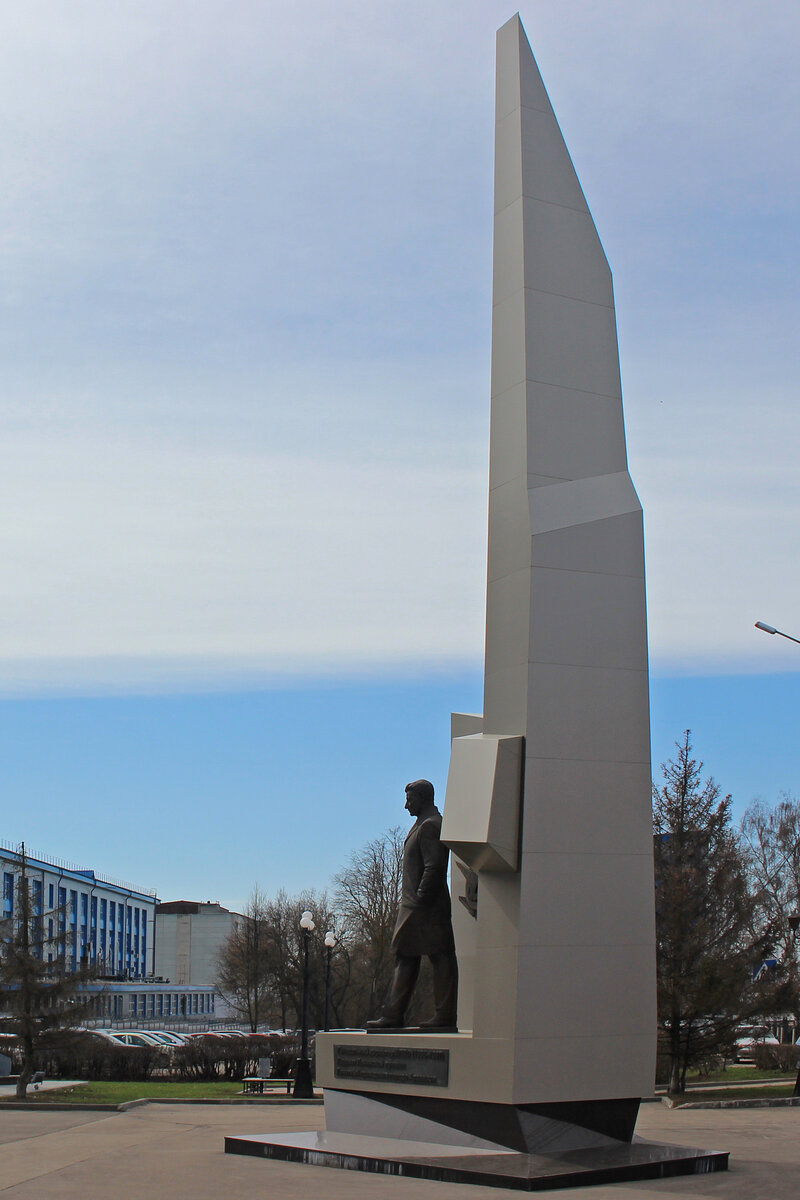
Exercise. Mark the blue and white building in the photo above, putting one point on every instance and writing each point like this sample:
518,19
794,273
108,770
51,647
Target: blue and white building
87,919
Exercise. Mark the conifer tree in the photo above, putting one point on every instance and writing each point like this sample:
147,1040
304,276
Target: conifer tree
38,998
708,954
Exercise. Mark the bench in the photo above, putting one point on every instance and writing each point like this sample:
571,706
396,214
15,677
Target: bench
254,1085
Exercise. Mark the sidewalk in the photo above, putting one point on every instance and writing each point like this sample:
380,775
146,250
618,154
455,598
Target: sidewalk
8,1090
177,1151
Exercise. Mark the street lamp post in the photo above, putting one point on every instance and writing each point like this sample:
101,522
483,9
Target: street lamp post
303,1085
794,919
330,942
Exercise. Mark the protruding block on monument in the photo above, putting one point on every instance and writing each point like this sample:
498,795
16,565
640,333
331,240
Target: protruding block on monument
482,805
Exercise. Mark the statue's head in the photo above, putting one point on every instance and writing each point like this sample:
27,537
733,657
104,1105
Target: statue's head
419,795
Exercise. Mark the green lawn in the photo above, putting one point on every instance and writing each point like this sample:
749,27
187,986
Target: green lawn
704,1095
119,1093
735,1073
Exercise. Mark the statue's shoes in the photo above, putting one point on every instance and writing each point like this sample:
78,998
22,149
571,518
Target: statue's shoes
384,1023
437,1023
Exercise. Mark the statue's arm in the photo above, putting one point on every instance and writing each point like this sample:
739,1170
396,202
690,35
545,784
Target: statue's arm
434,860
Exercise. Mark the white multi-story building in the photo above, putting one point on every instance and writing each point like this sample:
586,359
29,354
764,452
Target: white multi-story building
87,919
190,935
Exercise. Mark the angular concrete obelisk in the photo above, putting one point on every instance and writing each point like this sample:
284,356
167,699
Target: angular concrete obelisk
547,808
570,933
548,796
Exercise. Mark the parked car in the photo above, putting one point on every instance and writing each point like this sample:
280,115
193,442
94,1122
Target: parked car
158,1036
135,1037
748,1038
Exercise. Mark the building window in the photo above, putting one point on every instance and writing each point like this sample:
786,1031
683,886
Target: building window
38,922
73,925
103,924
8,893
50,895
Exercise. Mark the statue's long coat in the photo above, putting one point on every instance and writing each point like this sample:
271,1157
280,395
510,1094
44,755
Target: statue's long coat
424,924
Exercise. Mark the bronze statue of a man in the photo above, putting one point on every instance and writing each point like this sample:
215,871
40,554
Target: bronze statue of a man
424,924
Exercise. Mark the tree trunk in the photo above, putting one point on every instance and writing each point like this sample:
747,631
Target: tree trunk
26,1072
675,1087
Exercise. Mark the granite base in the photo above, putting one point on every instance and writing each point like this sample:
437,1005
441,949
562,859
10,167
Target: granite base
498,1168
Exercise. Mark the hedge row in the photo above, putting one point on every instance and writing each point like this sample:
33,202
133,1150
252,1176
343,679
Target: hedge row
91,1056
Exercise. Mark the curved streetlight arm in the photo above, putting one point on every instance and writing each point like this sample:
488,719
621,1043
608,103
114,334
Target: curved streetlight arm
771,629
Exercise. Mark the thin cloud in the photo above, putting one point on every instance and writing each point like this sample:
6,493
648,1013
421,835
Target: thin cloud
246,304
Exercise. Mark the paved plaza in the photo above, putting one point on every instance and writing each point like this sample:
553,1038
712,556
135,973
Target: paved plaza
175,1150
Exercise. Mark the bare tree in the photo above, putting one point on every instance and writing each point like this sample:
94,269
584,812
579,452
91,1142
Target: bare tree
772,838
286,965
260,967
244,963
366,900
772,844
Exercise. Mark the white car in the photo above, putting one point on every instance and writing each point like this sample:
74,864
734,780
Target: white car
135,1037
158,1036
747,1041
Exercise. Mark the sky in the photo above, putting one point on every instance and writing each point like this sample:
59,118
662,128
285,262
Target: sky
245,335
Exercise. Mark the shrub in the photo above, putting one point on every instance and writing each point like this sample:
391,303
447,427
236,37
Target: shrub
782,1059
83,1055
197,1059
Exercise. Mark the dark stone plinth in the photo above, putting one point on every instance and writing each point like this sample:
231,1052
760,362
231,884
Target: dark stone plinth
528,1128
456,1164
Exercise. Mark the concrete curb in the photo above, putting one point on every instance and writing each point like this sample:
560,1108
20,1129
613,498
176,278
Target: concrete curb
54,1106
754,1102
35,1106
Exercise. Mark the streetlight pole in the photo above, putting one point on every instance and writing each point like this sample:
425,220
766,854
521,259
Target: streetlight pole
793,922
794,919
330,942
303,1084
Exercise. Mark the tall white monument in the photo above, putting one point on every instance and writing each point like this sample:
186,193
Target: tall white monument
565,894
547,806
